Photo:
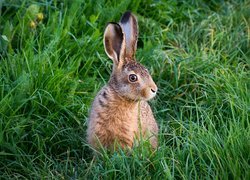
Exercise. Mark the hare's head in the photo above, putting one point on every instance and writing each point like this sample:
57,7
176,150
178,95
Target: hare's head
129,78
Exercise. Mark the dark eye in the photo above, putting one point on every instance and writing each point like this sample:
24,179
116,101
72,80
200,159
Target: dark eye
132,78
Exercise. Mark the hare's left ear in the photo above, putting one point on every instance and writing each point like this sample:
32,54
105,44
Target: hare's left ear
129,26
114,43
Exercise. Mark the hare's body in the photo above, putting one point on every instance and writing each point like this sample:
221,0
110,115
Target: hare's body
120,113
114,119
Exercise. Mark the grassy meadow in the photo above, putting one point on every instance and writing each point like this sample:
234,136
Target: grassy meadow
52,64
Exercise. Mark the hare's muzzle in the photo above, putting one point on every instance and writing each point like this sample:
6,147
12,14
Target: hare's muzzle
153,90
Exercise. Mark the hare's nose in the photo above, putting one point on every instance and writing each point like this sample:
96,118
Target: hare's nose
154,90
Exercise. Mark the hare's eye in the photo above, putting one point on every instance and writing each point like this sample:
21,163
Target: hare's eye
132,78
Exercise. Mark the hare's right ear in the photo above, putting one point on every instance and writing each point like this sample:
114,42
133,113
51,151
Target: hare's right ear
129,26
114,43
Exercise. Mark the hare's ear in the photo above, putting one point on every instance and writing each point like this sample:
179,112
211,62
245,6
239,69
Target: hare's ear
129,26
114,42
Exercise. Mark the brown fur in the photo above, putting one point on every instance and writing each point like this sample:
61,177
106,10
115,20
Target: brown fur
117,119
120,113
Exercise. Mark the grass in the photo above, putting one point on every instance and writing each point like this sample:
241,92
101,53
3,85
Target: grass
198,53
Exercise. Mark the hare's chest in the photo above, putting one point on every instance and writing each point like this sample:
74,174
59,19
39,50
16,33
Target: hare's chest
121,126
113,120
123,122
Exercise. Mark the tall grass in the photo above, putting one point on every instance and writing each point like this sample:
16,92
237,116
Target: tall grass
198,53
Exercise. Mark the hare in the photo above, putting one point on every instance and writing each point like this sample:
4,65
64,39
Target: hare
120,113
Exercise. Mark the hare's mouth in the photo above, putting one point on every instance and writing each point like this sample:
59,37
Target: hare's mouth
148,93
151,96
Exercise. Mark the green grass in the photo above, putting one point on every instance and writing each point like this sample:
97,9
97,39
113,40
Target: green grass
198,53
